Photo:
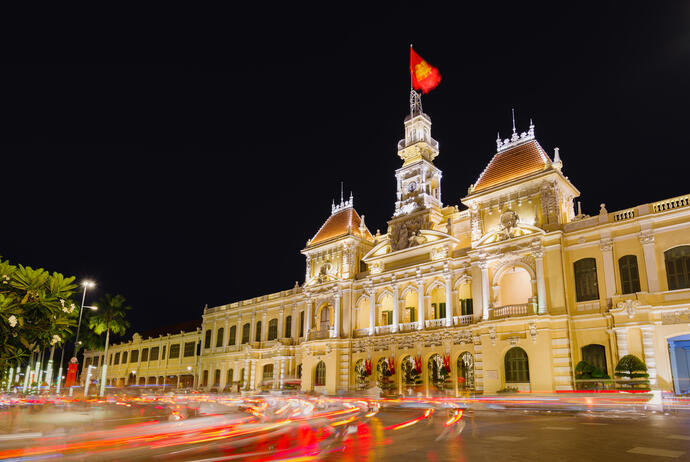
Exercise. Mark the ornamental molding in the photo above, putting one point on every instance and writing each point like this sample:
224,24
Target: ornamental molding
646,237
676,317
630,306
606,245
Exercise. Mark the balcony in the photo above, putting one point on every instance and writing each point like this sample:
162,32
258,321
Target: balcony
408,326
322,334
464,320
361,332
435,323
511,311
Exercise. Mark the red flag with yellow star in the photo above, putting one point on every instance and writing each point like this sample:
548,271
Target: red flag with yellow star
425,77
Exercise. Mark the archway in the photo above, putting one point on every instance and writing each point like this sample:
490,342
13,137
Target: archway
411,374
438,303
514,286
362,375
466,371
385,306
410,310
384,374
320,374
439,372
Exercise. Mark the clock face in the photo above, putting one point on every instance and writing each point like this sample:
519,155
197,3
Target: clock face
412,186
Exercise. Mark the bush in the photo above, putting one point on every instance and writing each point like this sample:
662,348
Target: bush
632,367
508,389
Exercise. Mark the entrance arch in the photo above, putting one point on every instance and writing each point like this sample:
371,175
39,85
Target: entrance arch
466,371
517,368
513,285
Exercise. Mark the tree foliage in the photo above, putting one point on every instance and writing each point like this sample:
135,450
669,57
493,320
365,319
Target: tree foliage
36,310
111,315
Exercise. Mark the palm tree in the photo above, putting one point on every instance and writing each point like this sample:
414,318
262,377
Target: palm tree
110,317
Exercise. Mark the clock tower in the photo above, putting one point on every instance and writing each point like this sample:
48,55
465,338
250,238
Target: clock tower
418,204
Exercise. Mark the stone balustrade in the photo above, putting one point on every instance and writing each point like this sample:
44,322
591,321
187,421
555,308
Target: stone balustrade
508,311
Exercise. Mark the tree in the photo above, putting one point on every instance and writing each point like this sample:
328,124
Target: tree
632,367
110,317
36,311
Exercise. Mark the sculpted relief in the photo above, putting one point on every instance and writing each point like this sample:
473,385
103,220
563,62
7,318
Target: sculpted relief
406,234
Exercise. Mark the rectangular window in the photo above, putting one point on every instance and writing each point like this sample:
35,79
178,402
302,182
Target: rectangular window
301,323
586,280
204,380
466,306
124,357
95,361
216,378
219,337
110,360
257,336
411,314
117,358
288,327
163,353
439,310
188,349
245,333
233,335
154,353
630,276
134,357
87,363
144,355
387,318
207,339
272,329
174,351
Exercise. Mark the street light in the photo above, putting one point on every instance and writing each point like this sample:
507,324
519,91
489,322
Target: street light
86,284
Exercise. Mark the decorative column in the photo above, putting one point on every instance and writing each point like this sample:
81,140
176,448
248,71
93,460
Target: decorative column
372,310
214,334
226,331
336,308
252,376
281,323
484,266
396,304
282,373
252,328
449,300
264,327
606,246
307,321
647,241
649,354
421,308
294,323
245,376
622,341
541,283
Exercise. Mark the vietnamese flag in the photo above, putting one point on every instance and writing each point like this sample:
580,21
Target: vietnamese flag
424,76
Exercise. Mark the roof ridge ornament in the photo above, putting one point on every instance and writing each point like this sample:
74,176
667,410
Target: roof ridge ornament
343,204
515,139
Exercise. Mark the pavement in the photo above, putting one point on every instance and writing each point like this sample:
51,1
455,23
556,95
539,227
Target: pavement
510,435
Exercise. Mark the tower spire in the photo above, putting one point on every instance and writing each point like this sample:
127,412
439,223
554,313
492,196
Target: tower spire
512,110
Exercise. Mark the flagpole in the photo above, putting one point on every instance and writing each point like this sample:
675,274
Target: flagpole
411,86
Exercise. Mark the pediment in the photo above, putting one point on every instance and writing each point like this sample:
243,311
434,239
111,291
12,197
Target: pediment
427,241
498,233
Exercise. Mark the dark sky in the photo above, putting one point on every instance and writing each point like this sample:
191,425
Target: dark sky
183,158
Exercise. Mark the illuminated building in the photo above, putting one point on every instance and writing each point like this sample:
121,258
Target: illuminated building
512,285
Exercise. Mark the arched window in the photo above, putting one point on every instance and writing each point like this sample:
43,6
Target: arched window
595,355
288,327
320,376
233,335
630,276
219,337
517,366
678,267
273,329
245,333
466,371
207,338
325,315
586,280
257,337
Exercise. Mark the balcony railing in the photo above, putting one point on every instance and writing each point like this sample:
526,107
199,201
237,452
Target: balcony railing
408,326
508,311
321,334
361,332
383,329
464,320
435,323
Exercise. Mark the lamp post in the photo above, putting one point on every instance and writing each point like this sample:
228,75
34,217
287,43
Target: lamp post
71,374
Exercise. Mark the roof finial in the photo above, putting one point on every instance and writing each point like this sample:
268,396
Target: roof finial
341,193
557,163
513,111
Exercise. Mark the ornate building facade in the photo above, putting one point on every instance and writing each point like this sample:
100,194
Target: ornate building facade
510,288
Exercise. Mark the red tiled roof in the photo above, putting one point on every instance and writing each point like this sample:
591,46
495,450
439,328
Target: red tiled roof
513,163
338,224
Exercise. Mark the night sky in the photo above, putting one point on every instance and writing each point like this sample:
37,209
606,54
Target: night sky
184,158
